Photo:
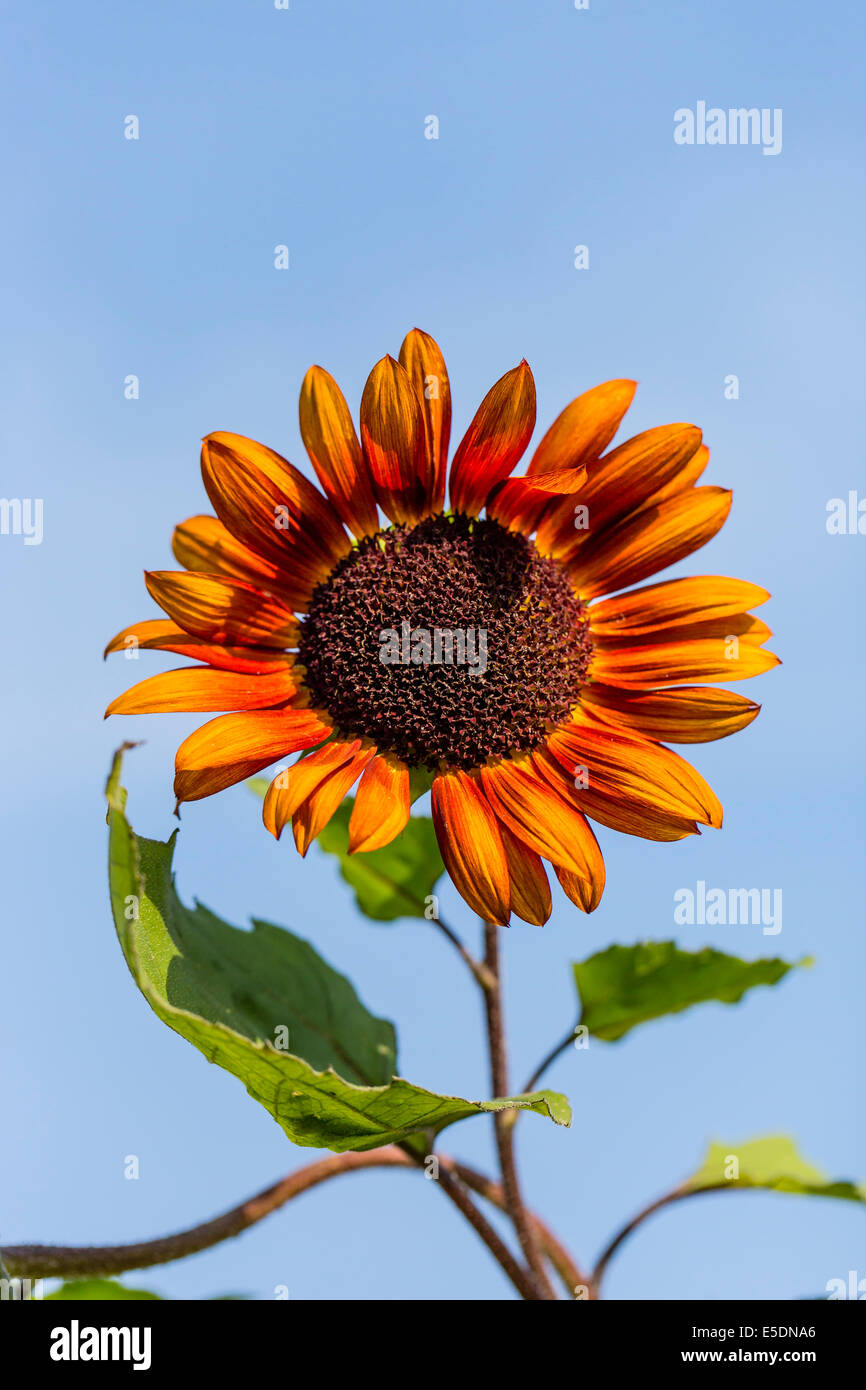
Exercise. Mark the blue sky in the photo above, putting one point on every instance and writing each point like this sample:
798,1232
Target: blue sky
155,257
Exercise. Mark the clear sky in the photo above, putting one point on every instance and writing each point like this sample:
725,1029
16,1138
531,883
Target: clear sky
155,257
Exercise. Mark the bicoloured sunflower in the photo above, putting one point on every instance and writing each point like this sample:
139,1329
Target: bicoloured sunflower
322,629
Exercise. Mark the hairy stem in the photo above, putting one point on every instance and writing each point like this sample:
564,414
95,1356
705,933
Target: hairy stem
74,1262
526,1232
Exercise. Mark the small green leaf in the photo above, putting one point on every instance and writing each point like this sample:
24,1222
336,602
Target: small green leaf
774,1163
330,1082
85,1290
627,985
389,883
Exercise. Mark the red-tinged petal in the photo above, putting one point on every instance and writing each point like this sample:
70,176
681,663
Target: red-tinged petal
517,505
541,818
611,806
335,452
744,627
160,634
203,690
223,610
686,477
496,439
584,895
202,544
471,845
673,603
530,890
689,714
294,784
633,769
395,443
561,519
422,358
626,479
272,508
382,805
232,747
317,809
727,658
579,434
649,541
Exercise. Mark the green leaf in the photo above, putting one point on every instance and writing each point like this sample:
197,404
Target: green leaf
81,1290
627,985
774,1163
229,992
392,882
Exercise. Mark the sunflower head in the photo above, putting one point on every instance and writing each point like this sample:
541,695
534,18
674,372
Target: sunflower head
374,632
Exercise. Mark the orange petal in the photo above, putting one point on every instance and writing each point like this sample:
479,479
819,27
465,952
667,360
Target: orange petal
611,806
689,714
382,805
517,505
686,477
314,813
203,690
672,603
629,768
232,747
611,493
272,508
530,890
204,545
294,784
728,656
422,358
545,821
579,434
335,452
471,845
650,540
625,480
395,443
495,440
745,627
558,524
160,634
223,610
577,889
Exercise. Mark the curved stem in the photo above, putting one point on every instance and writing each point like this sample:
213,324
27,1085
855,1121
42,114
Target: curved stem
60,1261
678,1195
70,1262
503,1122
551,1057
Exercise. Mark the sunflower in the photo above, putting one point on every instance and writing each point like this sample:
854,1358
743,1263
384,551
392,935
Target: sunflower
319,629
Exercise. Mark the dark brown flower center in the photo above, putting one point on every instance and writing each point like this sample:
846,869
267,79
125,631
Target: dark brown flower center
449,641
